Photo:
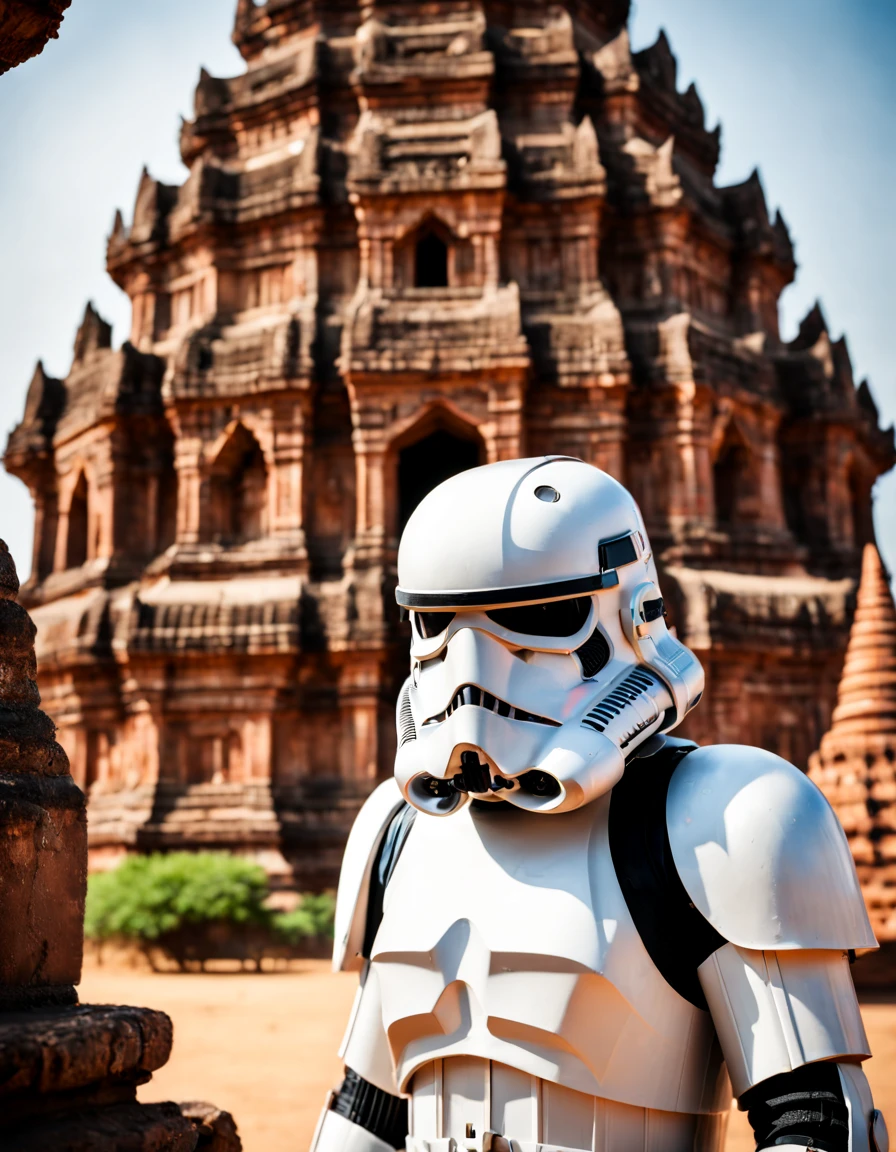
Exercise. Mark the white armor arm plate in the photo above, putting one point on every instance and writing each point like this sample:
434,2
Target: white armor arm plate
761,853
867,1127
354,879
365,1046
775,1011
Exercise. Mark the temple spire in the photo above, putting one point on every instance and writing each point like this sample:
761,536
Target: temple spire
866,700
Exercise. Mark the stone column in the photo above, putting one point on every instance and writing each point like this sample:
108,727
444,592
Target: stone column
370,517
46,521
104,535
189,486
359,702
61,549
291,421
606,439
503,433
71,1070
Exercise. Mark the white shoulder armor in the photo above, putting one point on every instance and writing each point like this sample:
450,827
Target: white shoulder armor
354,879
761,853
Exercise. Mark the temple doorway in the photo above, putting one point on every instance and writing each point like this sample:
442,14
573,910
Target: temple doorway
734,484
427,462
239,490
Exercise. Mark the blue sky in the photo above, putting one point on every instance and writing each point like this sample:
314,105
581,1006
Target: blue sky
805,90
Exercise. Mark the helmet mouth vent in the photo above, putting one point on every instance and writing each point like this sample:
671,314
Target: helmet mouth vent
639,682
473,695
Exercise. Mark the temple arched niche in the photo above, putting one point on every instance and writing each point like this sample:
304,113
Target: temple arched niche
439,446
736,481
238,490
425,256
210,753
430,260
76,542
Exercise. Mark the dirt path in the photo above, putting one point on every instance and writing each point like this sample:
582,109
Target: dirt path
264,1046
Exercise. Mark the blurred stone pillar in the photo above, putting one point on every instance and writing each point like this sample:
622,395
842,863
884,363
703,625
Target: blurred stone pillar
68,1072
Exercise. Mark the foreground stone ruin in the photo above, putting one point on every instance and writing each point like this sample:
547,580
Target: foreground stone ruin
414,237
25,28
68,1072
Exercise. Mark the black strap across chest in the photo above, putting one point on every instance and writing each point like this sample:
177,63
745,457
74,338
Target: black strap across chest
393,841
677,937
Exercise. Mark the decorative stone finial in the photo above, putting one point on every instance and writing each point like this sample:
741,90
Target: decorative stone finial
866,700
93,334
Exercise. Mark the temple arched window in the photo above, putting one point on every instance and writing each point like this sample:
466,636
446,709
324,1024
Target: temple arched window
427,462
734,482
430,260
76,540
239,490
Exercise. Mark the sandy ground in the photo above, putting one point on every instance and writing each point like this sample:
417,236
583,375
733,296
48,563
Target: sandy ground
264,1046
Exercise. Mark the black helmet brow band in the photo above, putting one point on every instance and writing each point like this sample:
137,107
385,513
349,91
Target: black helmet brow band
494,597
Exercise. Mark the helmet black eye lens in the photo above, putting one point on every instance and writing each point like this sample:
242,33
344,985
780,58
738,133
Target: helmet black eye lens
429,624
556,618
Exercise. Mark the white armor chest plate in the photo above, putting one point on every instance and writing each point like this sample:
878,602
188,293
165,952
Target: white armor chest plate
506,938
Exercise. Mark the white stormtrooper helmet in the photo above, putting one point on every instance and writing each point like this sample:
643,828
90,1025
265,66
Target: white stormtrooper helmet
540,657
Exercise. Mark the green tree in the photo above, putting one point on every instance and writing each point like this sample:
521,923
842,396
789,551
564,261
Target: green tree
147,897
199,906
312,918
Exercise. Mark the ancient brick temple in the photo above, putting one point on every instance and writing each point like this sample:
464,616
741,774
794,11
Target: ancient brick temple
416,236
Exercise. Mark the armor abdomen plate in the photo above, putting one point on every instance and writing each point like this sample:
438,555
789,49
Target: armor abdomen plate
471,1098
505,937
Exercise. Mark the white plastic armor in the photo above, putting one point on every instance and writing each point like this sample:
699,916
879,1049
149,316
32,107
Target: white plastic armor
354,878
775,1011
506,990
762,854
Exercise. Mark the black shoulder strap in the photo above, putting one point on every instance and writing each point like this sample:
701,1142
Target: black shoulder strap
676,936
393,841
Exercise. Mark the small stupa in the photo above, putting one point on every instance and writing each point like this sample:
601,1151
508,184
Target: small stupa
856,764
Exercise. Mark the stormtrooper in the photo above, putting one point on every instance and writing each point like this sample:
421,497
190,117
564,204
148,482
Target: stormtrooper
573,930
